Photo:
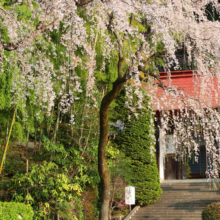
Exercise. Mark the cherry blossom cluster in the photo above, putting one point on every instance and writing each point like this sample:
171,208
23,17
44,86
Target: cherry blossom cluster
132,29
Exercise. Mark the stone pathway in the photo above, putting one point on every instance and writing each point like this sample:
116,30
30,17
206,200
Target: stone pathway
181,200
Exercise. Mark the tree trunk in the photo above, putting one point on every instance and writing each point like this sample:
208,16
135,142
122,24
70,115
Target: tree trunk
103,170
103,140
57,124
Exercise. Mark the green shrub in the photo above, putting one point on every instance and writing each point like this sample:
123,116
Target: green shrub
212,211
48,184
137,142
187,170
15,211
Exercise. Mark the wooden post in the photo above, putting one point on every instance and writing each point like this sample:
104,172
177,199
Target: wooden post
27,170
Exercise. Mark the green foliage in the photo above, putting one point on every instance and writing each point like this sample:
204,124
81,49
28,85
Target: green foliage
71,158
212,211
47,185
90,203
18,131
15,211
118,163
13,160
24,13
187,170
70,210
136,142
121,175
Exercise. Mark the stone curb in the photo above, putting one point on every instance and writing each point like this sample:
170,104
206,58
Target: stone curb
133,211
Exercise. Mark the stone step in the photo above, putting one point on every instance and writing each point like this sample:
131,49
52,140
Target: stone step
173,214
187,187
180,201
168,218
168,211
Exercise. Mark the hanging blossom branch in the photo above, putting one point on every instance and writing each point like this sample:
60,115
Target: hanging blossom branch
169,23
38,77
164,87
23,43
42,26
196,121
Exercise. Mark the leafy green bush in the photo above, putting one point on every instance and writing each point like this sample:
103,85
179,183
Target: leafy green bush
212,211
137,142
14,211
48,184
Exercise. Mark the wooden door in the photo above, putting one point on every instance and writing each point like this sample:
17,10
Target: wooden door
171,167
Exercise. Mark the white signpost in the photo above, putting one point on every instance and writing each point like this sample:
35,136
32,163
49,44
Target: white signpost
130,196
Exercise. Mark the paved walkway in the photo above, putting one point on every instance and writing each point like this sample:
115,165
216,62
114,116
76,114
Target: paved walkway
181,200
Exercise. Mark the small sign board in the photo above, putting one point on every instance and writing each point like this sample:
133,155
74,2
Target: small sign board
130,195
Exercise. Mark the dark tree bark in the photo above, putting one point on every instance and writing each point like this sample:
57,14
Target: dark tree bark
81,3
102,165
106,101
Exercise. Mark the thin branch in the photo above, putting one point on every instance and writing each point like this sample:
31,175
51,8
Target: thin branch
5,12
126,33
140,68
120,45
128,73
158,54
87,140
21,44
148,34
132,19
182,96
80,3
41,27
165,88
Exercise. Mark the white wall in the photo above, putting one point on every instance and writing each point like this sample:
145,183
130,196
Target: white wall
161,169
